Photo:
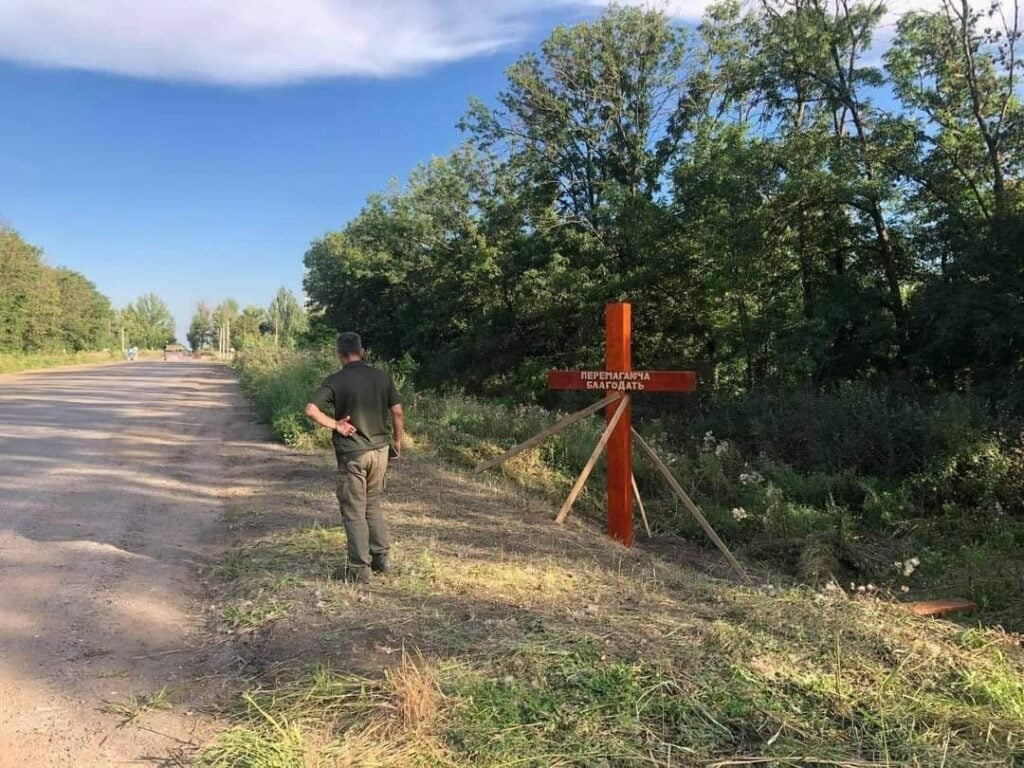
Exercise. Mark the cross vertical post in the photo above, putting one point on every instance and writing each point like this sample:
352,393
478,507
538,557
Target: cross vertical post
618,357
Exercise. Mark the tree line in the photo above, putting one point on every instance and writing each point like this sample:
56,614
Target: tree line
46,309
226,326
782,206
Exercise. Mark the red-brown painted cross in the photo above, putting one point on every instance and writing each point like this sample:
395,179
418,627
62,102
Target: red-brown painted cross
618,376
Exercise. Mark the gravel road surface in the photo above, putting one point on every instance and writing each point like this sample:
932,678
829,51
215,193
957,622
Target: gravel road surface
110,498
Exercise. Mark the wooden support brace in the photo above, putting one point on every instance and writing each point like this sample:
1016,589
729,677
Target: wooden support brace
690,506
551,431
589,466
640,506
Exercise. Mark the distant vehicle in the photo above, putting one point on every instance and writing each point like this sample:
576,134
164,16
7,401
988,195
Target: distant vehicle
175,352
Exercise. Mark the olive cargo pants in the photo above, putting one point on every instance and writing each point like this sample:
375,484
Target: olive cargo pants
360,485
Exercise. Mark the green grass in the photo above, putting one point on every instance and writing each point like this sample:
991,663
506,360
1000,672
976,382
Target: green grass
506,641
135,706
580,663
13,363
962,517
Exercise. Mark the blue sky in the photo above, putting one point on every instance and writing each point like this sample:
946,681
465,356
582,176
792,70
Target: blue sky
202,176
195,149
210,191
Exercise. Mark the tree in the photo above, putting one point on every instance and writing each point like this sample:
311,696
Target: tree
223,316
776,218
29,299
247,328
201,330
84,312
287,317
148,322
956,72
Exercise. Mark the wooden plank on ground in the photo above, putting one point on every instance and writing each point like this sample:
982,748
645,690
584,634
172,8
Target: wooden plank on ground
942,607
554,429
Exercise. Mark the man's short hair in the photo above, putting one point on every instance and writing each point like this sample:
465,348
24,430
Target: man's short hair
349,344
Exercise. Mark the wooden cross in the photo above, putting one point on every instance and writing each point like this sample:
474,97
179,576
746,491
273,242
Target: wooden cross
618,381
618,376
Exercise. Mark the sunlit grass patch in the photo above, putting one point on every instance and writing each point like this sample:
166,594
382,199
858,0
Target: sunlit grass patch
252,613
311,551
516,583
15,362
326,717
135,706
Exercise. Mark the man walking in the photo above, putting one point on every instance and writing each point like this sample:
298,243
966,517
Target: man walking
354,404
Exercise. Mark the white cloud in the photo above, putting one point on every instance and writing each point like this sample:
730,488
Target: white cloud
266,41
249,42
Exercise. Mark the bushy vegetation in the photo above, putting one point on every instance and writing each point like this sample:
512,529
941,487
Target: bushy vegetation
505,640
281,324
43,308
782,212
52,309
955,507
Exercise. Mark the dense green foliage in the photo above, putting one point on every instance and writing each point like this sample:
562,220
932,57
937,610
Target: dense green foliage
148,322
282,324
505,640
53,309
43,308
780,210
872,481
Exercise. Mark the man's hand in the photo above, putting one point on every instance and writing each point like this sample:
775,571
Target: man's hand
342,426
398,428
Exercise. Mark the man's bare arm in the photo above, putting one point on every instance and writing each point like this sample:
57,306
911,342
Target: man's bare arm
398,425
344,426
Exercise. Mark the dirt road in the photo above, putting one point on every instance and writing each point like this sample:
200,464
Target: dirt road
110,495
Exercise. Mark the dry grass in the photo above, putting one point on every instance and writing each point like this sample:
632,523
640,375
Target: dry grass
506,640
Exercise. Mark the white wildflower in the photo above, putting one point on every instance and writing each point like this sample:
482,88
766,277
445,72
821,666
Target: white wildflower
709,441
910,566
739,513
904,588
722,448
751,478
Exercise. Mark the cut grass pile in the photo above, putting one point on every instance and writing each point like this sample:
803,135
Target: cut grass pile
507,641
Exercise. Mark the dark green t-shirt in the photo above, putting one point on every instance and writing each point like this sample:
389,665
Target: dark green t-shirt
365,394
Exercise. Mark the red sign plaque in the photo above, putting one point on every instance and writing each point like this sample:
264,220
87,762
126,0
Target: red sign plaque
624,381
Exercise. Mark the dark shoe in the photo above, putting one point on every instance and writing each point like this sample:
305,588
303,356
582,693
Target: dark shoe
381,564
351,575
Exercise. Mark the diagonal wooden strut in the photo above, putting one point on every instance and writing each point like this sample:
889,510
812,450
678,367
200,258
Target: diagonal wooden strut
589,466
690,506
554,429
640,506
